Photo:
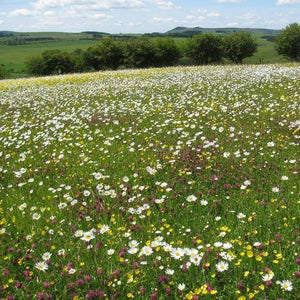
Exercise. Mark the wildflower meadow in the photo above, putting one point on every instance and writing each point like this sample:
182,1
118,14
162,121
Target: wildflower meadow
175,183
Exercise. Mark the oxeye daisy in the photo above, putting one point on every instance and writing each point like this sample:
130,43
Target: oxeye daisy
125,179
268,277
46,256
72,271
36,216
226,154
151,170
78,233
61,252
86,193
227,245
222,266
169,272
195,259
104,228
132,250
98,176
191,198
286,285
241,216
87,236
62,205
203,202
133,244
146,250
247,182
42,266
177,253
159,201
110,251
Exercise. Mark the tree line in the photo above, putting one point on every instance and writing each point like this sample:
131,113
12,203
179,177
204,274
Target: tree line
144,52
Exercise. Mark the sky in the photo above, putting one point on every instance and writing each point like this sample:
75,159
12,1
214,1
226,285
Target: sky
144,16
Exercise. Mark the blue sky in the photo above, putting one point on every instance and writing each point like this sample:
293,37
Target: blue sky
140,16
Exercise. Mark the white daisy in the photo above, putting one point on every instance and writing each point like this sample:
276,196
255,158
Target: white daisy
286,285
268,277
222,266
46,256
191,198
87,236
42,266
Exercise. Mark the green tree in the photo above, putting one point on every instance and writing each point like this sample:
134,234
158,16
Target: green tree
57,62
35,65
78,61
166,52
238,46
205,48
50,62
287,43
107,54
139,53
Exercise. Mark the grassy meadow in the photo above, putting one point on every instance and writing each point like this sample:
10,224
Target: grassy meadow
14,57
175,183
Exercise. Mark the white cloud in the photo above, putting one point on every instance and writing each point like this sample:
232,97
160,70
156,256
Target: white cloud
134,24
49,13
161,20
228,1
196,19
22,12
202,14
163,4
249,16
233,24
42,4
202,11
282,2
101,17
89,4
213,15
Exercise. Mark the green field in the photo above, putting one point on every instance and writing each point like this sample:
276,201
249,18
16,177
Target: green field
14,57
171,183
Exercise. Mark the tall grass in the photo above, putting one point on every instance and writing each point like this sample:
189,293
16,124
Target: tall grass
177,183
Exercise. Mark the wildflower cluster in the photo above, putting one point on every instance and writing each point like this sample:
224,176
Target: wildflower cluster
176,183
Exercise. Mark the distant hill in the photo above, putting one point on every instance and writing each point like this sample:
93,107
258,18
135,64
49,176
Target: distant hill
16,38
190,31
95,32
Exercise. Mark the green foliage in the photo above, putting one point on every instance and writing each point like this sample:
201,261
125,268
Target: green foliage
136,52
287,42
50,62
167,52
35,65
78,61
2,72
107,54
205,48
238,46
139,53
57,62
